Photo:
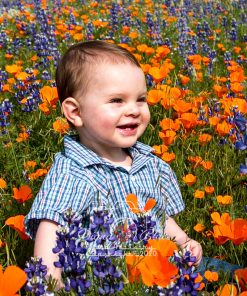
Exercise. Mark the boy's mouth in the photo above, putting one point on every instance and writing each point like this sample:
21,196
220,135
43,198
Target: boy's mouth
128,126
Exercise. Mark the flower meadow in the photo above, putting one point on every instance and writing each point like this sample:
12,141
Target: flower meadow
194,56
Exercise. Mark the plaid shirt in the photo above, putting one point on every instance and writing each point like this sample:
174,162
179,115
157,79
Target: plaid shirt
81,180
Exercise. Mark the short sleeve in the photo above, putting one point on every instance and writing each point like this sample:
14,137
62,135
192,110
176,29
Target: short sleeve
57,194
171,190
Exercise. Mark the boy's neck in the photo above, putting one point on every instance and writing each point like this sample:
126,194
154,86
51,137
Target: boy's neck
122,159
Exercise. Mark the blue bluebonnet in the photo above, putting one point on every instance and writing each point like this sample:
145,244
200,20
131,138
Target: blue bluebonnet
36,272
107,277
71,254
142,229
187,275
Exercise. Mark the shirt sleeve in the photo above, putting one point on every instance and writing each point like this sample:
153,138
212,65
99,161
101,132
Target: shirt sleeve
58,194
171,190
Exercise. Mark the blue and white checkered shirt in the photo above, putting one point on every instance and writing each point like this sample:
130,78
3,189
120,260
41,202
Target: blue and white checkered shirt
81,180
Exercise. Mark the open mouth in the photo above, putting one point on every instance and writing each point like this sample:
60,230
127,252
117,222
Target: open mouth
128,126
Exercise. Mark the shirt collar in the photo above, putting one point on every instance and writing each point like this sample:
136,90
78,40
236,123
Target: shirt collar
79,153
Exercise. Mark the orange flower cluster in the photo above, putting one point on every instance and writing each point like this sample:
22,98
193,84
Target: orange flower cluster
154,268
49,98
225,229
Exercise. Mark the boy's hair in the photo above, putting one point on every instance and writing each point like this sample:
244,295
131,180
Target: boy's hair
72,75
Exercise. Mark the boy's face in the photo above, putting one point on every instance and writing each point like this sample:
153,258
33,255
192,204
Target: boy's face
114,111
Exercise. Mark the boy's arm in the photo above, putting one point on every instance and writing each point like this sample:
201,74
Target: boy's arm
173,231
45,241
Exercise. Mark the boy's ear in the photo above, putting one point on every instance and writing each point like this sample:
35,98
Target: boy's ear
71,110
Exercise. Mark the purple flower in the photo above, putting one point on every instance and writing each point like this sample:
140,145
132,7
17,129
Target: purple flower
36,272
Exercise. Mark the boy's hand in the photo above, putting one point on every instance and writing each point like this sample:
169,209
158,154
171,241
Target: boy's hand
195,248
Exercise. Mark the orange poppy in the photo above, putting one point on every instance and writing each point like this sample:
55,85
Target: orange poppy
204,139
11,280
154,268
211,276
162,51
61,126
181,106
22,194
17,223
241,275
236,87
22,137
207,165
199,227
49,95
184,79
223,128
170,95
237,76
37,174
224,200
23,76
12,69
158,74
2,244
166,247
199,194
132,261
167,137
154,96
227,290
189,179
169,124
30,164
159,149
189,120
132,202
209,189
220,90
3,183
168,157
214,120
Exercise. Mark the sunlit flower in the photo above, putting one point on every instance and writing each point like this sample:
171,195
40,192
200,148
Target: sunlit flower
224,200
211,276
132,202
199,194
17,223
168,157
189,179
199,227
22,194
207,165
227,290
11,280
209,189
159,149
204,139
168,137
3,184
241,275
61,126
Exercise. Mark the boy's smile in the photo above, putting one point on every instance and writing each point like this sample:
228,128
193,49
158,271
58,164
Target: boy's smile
114,112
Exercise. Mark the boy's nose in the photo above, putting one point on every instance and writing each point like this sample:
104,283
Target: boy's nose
132,110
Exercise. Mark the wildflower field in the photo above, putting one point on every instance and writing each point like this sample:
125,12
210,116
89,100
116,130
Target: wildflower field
194,55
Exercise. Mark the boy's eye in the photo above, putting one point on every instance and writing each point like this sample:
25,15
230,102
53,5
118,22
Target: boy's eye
142,99
116,100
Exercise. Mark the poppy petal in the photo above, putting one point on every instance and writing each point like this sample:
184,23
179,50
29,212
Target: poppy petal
149,204
12,280
132,202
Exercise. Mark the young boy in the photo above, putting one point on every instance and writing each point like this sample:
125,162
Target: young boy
103,93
